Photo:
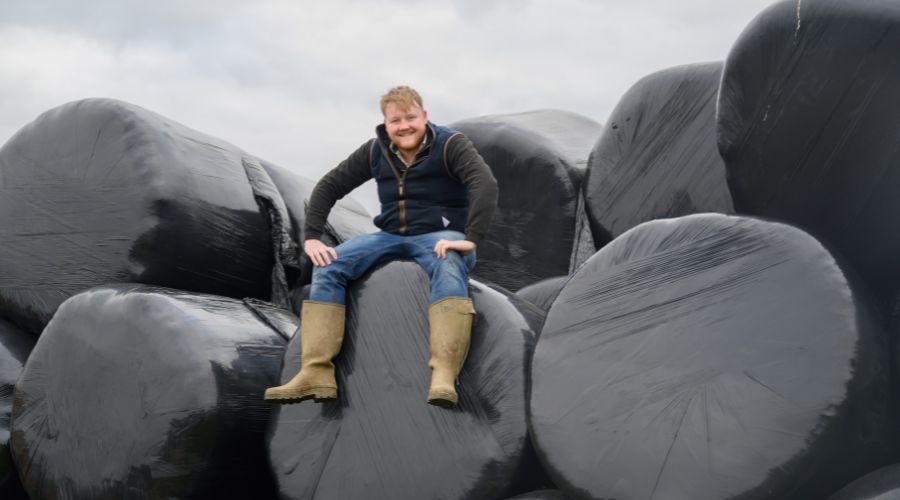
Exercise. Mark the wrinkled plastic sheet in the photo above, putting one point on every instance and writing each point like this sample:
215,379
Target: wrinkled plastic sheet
710,357
348,218
15,345
544,292
101,191
882,484
143,392
657,156
808,117
531,475
538,159
381,440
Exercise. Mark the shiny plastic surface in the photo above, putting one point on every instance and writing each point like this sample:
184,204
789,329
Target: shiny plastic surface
657,156
347,218
15,346
710,357
143,392
544,292
882,484
381,440
538,159
100,191
807,122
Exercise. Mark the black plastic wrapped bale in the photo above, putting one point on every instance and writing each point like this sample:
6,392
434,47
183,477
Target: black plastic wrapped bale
538,159
544,292
143,392
348,218
100,191
710,357
807,125
15,346
657,156
381,440
882,484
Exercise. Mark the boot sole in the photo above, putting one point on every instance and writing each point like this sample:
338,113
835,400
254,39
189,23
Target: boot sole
318,395
444,400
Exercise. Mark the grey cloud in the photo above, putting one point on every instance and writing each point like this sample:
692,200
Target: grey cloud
298,82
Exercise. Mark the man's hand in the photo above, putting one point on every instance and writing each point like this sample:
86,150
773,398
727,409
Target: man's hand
464,247
320,253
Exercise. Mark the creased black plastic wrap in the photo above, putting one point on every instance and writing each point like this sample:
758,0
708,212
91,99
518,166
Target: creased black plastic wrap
100,191
143,392
544,292
348,218
15,346
710,357
657,156
882,484
808,122
538,159
381,440
542,495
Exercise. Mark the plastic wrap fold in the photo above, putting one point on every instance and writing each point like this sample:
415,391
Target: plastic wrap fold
538,159
15,346
544,292
542,495
882,484
711,357
381,440
143,392
657,156
807,124
348,218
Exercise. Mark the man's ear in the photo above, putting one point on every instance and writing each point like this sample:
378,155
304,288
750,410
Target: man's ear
425,115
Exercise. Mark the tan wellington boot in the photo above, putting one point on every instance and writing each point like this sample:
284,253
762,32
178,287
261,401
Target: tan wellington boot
451,328
322,325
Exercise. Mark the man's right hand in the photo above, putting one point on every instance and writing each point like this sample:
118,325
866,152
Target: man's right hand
320,253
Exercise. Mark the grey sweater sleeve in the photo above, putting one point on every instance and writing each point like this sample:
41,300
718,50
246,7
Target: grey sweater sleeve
464,163
347,176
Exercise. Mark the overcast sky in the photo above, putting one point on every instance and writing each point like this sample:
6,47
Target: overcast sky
297,82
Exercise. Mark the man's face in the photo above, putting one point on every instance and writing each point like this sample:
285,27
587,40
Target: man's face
405,127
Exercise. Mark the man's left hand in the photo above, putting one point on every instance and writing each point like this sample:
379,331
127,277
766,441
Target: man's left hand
464,247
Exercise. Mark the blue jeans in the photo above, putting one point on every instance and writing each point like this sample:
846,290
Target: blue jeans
449,276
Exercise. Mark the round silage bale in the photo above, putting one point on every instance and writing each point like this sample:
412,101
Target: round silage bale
101,191
143,392
538,159
381,439
710,357
807,125
657,156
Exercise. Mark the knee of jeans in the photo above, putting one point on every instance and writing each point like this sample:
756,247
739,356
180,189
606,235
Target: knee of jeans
327,274
454,264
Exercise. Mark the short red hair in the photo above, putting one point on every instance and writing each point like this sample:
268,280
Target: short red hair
403,96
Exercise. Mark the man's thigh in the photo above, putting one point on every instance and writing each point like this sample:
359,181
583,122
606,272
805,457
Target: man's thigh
361,252
365,244
423,250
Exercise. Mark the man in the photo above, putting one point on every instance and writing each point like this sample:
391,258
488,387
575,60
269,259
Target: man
437,197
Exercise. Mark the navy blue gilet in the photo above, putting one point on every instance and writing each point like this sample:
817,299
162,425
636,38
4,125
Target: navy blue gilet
425,197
